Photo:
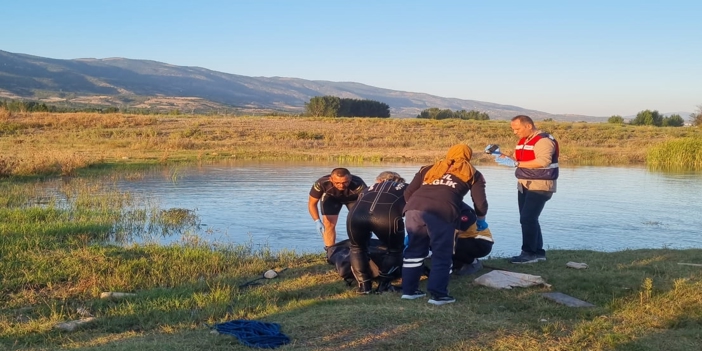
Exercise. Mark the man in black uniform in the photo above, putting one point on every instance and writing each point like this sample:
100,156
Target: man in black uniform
378,210
331,192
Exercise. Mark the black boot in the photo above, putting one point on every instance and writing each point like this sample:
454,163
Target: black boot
386,285
365,288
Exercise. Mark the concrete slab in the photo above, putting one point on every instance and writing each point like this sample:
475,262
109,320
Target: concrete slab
567,300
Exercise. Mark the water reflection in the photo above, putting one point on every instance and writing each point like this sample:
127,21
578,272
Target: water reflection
598,208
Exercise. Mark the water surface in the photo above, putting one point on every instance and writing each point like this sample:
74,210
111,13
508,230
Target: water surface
598,208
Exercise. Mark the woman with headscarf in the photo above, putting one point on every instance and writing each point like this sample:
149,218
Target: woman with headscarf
432,214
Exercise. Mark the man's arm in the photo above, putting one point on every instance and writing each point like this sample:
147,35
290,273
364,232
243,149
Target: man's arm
414,184
312,207
477,193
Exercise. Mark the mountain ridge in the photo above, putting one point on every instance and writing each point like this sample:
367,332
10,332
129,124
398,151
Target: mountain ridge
139,83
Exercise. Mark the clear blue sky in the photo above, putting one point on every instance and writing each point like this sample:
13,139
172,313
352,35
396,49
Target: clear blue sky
597,58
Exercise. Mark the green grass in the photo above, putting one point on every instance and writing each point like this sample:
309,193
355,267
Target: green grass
54,263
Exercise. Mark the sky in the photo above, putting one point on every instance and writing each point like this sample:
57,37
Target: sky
595,58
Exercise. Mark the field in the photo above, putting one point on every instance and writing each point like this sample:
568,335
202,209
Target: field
55,262
44,144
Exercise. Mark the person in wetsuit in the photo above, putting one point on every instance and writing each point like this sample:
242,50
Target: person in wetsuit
378,210
331,192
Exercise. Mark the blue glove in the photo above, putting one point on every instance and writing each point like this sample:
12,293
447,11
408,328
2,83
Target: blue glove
482,225
320,226
506,161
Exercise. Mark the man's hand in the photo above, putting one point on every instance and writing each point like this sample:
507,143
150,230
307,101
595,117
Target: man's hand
320,227
506,161
482,225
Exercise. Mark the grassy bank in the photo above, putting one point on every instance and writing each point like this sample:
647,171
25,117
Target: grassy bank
44,143
54,264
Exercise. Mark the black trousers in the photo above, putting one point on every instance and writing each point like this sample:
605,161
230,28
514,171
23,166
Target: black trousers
468,249
531,203
385,220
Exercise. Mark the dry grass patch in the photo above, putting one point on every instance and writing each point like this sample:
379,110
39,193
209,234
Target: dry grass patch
92,138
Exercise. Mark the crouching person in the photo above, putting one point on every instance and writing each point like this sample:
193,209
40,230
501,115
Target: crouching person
434,200
471,243
378,210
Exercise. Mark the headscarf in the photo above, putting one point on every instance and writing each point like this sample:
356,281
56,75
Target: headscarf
459,157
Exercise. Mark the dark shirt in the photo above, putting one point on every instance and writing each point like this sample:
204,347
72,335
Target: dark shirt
445,196
324,186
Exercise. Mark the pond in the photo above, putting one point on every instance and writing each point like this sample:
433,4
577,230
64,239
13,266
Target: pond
596,208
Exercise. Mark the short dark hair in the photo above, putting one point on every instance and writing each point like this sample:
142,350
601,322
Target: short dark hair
340,172
523,119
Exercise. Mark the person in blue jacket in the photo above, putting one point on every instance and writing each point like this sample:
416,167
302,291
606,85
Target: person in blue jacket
432,214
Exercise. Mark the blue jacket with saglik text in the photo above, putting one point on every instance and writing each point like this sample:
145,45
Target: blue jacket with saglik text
444,196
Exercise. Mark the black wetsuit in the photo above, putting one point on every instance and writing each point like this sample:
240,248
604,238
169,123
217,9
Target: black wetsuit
332,198
378,210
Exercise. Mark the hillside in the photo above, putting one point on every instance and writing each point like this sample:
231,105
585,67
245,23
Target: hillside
130,84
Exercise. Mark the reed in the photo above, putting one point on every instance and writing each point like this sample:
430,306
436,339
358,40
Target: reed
679,154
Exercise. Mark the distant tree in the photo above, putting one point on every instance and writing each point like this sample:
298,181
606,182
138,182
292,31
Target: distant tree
315,107
429,113
322,106
362,108
616,119
472,114
436,113
673,121
696,117
445,114
647,118
332,106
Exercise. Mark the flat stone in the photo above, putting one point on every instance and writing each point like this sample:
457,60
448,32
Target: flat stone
115,295
566,299
72,325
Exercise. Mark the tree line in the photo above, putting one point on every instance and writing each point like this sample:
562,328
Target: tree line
436,113
34,106
654,118
26,106
332,106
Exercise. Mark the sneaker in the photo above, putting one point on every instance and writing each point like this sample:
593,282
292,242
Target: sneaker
525,258
438,301
468,269
415,295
